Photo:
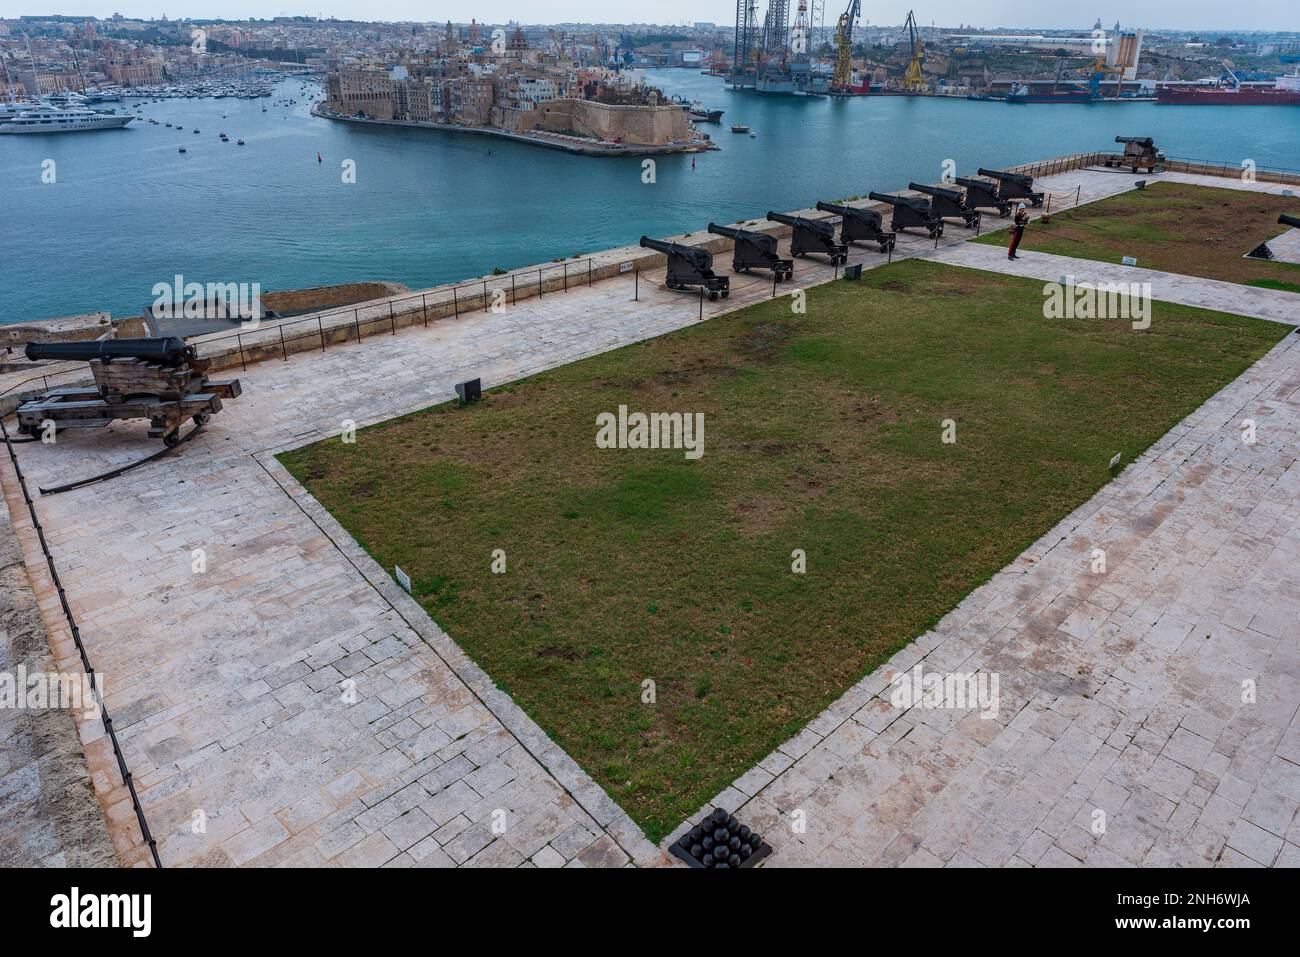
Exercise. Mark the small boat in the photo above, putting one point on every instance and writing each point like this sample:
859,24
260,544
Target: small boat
196,131
239,142
740,129
753,136
182,149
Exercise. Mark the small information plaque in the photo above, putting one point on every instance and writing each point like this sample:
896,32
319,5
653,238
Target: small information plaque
403,579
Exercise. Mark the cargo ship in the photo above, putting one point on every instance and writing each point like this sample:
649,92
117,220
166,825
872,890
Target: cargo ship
1284,92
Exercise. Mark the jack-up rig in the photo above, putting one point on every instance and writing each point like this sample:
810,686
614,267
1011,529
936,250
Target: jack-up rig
775,58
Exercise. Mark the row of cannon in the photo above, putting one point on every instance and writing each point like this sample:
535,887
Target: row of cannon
692,266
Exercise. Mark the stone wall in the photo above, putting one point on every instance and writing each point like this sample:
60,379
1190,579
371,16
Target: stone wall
634,125
325,297
49,816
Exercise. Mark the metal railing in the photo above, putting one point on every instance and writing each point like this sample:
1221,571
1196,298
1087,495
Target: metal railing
342,324
1223,168
81,650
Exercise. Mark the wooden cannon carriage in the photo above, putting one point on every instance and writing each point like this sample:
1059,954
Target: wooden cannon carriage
161,380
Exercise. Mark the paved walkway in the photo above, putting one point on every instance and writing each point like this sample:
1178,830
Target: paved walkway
231,687
1271,304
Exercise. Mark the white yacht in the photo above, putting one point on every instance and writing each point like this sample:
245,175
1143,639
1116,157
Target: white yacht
52,119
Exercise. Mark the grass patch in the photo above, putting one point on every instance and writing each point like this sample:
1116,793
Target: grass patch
822,434
1275,284
1173,227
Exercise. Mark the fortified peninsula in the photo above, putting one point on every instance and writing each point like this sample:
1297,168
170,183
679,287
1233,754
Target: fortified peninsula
513,90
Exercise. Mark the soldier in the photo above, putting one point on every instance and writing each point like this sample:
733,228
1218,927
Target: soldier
1017,230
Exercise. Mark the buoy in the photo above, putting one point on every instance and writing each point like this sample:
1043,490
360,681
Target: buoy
318,159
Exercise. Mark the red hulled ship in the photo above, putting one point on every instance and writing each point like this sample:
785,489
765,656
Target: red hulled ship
1284,92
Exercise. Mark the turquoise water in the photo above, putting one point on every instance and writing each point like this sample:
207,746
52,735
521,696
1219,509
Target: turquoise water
128,211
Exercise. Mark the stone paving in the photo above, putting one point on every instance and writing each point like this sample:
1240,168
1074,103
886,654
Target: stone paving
1271,304
287,704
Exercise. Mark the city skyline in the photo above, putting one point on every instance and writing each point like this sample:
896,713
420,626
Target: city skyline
1038,14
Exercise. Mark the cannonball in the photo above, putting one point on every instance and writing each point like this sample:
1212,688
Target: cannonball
734,860
745,851
732,823
721,852
697,851
755,840
743,832
697,832
719,817
720,835
707,842
734,843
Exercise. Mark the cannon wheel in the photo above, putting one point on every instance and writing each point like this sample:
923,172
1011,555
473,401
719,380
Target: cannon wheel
1004,210
713,294
172,438
203,418
726,293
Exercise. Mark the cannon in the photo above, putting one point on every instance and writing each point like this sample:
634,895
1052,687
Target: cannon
159,379
860,226
754,250
812,236
1139,152
911,211
1013,187
690,266
983,194
949,202
1286,220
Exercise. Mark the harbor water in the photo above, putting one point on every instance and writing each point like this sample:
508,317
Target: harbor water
127,210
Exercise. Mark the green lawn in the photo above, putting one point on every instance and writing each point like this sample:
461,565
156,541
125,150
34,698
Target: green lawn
823,433
1173,227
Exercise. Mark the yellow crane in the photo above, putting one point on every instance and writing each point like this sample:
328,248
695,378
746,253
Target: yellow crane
842,78
914,79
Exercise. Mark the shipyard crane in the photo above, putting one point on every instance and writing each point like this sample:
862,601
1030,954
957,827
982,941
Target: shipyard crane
842,78
913,79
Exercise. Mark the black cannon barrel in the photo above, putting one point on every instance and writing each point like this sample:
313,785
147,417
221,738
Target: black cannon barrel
1144,141
761,240
852,212
166,350
812,225
912,201
970,182
1287,220
1002,175
952,194
702,258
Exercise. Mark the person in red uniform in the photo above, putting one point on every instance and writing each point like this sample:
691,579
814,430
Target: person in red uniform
1017,230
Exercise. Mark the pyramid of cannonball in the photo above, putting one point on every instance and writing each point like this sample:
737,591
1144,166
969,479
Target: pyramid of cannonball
721,841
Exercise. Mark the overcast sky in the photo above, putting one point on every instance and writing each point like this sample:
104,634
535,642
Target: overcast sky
1169,14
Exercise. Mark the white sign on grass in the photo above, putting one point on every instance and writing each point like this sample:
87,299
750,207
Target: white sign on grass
403,579
1129,261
